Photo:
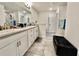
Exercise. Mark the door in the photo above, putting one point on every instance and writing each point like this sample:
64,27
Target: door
52,23
36,29
30,37
23,44
35,34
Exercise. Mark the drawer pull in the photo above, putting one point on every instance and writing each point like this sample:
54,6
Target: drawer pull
17,44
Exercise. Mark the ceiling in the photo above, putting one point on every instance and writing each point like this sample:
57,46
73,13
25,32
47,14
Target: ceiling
44,6
38,6
14,6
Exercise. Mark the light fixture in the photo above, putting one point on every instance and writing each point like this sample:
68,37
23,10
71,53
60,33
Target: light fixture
50,9
28,3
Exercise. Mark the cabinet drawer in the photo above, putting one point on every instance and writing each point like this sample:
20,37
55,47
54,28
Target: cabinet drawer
9,50
9,39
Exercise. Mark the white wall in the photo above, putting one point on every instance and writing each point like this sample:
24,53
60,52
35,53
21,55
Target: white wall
72,27
43,23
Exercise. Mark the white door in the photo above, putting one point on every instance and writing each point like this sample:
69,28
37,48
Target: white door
9,50
52,23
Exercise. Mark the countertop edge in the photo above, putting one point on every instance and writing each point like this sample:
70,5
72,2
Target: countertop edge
16,32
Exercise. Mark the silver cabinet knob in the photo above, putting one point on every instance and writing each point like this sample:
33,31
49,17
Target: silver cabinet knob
17,44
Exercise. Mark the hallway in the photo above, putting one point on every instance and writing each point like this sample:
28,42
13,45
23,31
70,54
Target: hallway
42,47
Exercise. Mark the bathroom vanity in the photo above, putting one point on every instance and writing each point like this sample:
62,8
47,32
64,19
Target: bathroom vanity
15,42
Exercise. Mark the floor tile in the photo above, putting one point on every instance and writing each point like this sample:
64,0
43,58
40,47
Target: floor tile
42,47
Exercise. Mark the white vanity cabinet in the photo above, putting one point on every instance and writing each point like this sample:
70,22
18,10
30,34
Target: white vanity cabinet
18,43
32,35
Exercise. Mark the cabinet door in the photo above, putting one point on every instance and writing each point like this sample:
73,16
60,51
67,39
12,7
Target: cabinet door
30,37
37,33
34,35
23,44
9,50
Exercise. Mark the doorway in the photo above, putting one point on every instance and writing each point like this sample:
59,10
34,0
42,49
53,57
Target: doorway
52,24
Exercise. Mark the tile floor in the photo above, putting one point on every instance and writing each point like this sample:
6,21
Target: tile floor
42,47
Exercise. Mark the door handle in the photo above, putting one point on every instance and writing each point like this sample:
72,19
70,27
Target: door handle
18,43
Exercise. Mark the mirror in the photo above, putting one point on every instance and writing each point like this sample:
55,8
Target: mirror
62,24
